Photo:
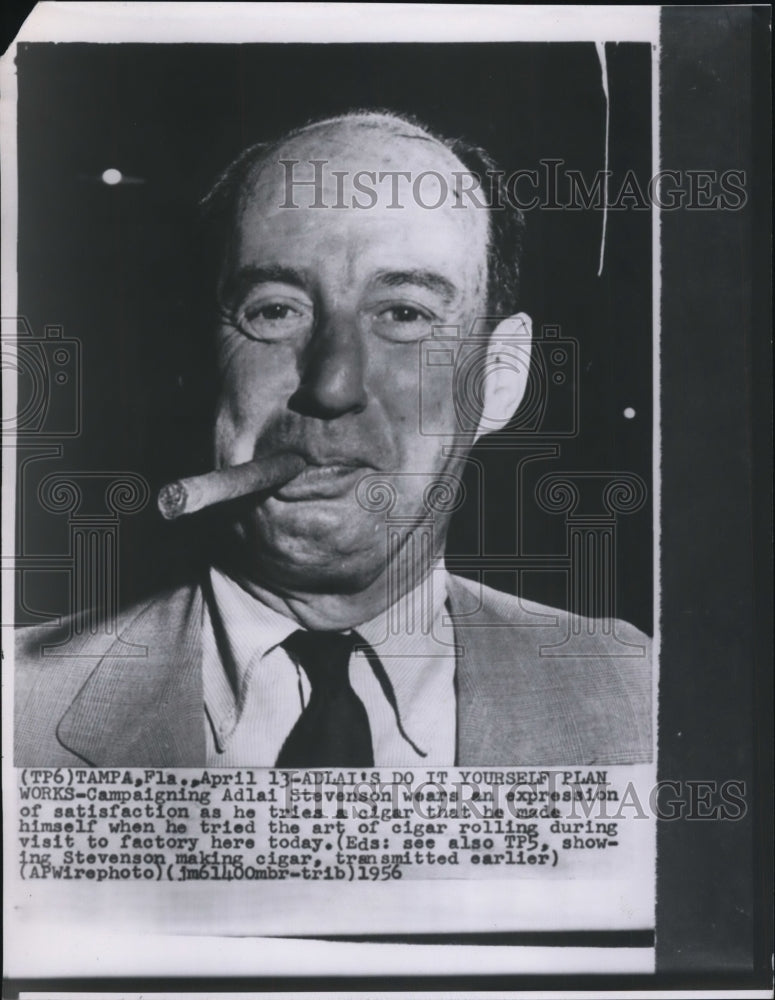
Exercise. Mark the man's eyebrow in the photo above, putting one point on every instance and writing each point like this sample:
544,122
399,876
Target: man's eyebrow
247,277
417,276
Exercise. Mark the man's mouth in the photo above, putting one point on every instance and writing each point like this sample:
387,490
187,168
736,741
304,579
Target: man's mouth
324,480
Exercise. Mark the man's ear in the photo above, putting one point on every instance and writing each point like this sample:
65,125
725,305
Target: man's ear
506,366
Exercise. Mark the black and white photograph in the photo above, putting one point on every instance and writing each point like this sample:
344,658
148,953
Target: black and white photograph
333,512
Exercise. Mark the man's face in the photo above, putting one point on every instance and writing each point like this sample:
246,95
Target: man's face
324,311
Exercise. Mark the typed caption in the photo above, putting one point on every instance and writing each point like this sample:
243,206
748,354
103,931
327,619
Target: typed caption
122,824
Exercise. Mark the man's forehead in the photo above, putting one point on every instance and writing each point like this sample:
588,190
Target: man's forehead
363,174
365,142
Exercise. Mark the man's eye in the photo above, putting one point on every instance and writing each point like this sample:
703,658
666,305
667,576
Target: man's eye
271,320
270,312
274,311
405,314
403,322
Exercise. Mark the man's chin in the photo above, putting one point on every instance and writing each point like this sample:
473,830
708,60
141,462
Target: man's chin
304,518
347,578
319,545
306,569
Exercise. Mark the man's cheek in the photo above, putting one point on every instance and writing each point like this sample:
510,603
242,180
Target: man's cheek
236,432
224,437
417,397
436,405
233,353
248,390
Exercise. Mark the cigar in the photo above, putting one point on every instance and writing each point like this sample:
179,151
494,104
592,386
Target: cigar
185,496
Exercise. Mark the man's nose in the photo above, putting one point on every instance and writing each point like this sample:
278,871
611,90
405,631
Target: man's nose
332,371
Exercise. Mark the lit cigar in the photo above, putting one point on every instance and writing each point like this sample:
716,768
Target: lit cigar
185,496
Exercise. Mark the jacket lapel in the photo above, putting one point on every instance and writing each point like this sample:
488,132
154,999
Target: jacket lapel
496,718
142,711
474,708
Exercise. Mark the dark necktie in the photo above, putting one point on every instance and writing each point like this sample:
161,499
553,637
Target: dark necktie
333,730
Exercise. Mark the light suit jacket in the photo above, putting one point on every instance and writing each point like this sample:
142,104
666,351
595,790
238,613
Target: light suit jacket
535,686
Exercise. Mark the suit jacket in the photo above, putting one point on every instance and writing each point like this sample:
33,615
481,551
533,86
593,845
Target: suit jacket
535,686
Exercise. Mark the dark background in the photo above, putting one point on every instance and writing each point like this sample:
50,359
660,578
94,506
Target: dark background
114,266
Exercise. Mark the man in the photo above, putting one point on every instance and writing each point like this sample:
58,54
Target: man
328,633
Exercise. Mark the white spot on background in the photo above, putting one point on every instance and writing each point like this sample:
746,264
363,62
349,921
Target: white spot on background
112,176
629,413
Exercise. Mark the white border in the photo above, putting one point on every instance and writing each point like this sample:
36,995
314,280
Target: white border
336,22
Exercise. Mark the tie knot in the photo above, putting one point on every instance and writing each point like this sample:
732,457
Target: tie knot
323,655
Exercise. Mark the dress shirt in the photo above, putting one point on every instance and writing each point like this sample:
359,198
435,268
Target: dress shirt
255,692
